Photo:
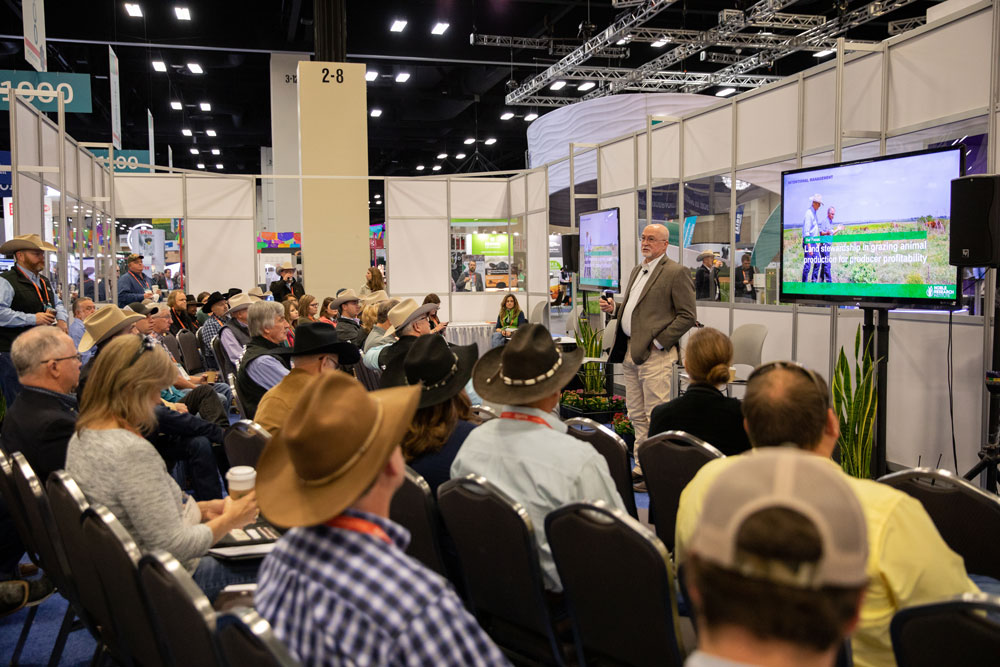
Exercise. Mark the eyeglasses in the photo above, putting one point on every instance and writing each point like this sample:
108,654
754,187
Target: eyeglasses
147,344
652,239
793,366
78,357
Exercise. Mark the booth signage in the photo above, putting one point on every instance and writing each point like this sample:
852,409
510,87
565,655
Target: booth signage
126,161
42,88
116,100
33,16
5,189
495,245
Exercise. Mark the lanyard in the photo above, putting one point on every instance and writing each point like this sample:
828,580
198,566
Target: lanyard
216,318
177,319
359,525
144,283
520,416
44,300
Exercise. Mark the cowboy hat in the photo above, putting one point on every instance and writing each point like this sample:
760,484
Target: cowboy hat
345,296
105,323
286,266
321,338
239,302
258,294
529,367
144,308
443,369
233,291
374,298
26,242
707,253
305,476
214,298
405,312
818,198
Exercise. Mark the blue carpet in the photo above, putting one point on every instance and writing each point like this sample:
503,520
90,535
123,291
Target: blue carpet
79,647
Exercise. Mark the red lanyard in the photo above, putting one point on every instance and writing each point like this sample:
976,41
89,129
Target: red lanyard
358,525
45,299
178,320
143,282
216,318
520,416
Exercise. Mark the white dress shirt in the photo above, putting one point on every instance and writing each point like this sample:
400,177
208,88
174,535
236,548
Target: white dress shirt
636,291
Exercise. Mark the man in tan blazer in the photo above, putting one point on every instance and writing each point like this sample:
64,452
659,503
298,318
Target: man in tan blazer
657,309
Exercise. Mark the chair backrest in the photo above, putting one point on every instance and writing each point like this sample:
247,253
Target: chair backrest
617,577
244,443
369,377
231,378
12,500
968,518
221,358
175,349
498,552
484,412
748,342
540,313
116,558
181,613
952,632
188,342
573,320
669,461
614,450
245,639
414,508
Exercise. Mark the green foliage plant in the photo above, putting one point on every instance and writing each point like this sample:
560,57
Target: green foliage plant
855,401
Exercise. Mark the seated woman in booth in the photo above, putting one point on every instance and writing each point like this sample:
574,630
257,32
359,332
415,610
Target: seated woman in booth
510,318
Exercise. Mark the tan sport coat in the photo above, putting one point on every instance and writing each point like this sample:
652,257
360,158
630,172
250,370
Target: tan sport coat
665,311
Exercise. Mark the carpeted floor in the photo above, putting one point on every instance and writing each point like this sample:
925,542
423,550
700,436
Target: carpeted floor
79,648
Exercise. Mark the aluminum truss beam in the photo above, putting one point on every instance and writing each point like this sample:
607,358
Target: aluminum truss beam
722,58
734,18
905,25
552,46
735,41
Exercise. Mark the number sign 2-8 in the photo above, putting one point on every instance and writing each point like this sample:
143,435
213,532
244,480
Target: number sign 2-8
336,77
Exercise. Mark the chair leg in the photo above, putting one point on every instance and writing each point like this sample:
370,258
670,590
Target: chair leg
64,630
25,629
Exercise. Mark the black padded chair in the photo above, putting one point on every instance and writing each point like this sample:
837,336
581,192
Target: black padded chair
414,508
952,632
484,412
617,577
221,358
175,349
370,378
244,443
231,378
498,553
116,557
669,461
967,517
181,613
614,450
188,342
245,639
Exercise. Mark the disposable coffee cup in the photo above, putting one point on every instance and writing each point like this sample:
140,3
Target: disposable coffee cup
213,376
732,373
241,481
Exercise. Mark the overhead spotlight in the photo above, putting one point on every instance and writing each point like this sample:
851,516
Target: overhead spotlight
216,151
205,106
378,195
159,66
133,9
659,43
201,165
210,133
420,167
469,141
176,106
530,117
399,25
490,141
371,75
558,85
218,165
442,156
459,156
824,53
586,85
186,132
436,167
507,115
439,28
375,113
402,77
195,68
183,13
725,92
194,151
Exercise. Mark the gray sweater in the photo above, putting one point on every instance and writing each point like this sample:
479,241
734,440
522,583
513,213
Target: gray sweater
123,472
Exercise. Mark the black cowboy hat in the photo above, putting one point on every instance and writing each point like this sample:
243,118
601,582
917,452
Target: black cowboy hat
320,338
443,369
526,369
214,298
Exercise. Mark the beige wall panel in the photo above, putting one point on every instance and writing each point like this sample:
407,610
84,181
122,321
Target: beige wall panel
70,153
538,252
220,197
28,206
285,140
333,140
88,167
484,198
617,166
766,125
708,142
640,158
820,95
220,252
417,252
412,198
666,150
27,134
148,196
814,341
518,194
478,307
628,226
941,72
863,93
50,153
538,198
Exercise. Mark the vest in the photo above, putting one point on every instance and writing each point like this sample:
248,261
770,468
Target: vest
241,333
391,360
249,391
25,301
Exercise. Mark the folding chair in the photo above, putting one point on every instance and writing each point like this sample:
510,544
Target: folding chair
484,412
231,378
244,443
614,450
175,349
222,359
188,342
368,377
414,508
952,632
245,639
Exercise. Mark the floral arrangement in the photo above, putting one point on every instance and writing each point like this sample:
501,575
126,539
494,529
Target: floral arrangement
622,424
588,402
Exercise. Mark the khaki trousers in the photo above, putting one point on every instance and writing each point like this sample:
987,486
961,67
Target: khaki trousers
646,386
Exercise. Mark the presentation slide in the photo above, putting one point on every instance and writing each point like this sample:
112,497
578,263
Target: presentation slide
875,230
600,265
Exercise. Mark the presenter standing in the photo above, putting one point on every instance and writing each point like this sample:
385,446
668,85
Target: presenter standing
658,308
810,227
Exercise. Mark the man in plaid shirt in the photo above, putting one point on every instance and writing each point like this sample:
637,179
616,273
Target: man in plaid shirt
339,589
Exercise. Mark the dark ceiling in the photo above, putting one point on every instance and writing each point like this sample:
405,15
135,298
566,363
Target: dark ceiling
455,91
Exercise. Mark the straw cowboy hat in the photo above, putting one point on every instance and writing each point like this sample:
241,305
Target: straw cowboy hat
257,294
443,369
818,198
344,297
707,253
374,298
287,266
526,369
26,242
240,302
405,312
306,477
105,323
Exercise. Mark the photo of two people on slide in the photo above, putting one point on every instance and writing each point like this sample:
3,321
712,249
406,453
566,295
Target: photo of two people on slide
817,255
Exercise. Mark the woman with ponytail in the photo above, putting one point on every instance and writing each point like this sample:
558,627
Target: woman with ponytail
704,410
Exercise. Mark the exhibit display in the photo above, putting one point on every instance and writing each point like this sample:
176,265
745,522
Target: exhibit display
600,250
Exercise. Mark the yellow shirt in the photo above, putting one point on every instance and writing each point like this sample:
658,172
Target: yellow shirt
908,562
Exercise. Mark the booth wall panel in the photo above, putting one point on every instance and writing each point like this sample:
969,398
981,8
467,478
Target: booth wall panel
538,198
28,206
69,155
617,166
863,93
27,134
778,344
149,196
102,182
941,72
628,208
485,198
538,253
641,159
766,125
220,196
477,307
814,342
818,122
88,168
416,199
220,252
417,251
50,153
518,195
666,150
716,316
708,142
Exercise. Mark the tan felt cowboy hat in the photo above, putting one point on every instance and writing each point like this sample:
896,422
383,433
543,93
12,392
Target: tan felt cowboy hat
305,476
256,294
529,367
374,298
344,297
240,302
707,253
26,242
405,312
105,323
287,266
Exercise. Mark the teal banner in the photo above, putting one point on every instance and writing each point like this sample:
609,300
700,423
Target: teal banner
45,87
126,161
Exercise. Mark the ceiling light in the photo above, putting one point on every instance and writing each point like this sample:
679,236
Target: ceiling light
436,167
133,9
586,86
824,53
194,151
659,43
439,28
176,106
205,106
186,132
201,165
378,195
371,75
218,165
210,133
183,13
469,141
420,167
195,68
459,156
399,25
531,116
557,85
621,41
402,77
725,92
442,156
490,141
216,151
159,66
507,116
375,113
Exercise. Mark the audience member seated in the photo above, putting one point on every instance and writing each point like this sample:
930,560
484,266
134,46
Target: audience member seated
328,315
257,294
145,325
908,562
348,325
380,334
437,326
316,350
202,315
369,318
527,452
776,567
116,466
338,588
703,410
286,284
291,307
235,335
374,282
508,321
308,310
179,318
192,309
88,286
82,309
215,307
444,417
409,322
265,362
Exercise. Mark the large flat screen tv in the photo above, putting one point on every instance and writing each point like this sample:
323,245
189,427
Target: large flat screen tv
600,250
873,232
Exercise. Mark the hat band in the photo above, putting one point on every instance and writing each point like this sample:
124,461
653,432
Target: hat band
446,379
517,382
349,463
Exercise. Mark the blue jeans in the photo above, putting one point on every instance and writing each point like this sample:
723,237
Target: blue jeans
196,452
213,575
987,585
498,340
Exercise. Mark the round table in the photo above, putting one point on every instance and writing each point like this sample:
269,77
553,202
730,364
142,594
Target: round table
466,333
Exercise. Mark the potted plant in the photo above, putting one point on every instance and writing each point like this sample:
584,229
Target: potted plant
856,404
591,373
623,427
600,408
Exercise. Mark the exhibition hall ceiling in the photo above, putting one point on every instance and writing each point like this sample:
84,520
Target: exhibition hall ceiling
455,90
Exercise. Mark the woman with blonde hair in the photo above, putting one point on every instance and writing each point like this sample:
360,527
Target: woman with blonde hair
115,466
703,410
369,318
373,281
308,310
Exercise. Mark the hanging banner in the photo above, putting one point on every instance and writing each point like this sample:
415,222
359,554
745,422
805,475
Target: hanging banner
739,221
689,223
152,154
126,161
43,87
33,16
116,101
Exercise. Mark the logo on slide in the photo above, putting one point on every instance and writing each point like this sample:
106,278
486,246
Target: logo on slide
930,291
